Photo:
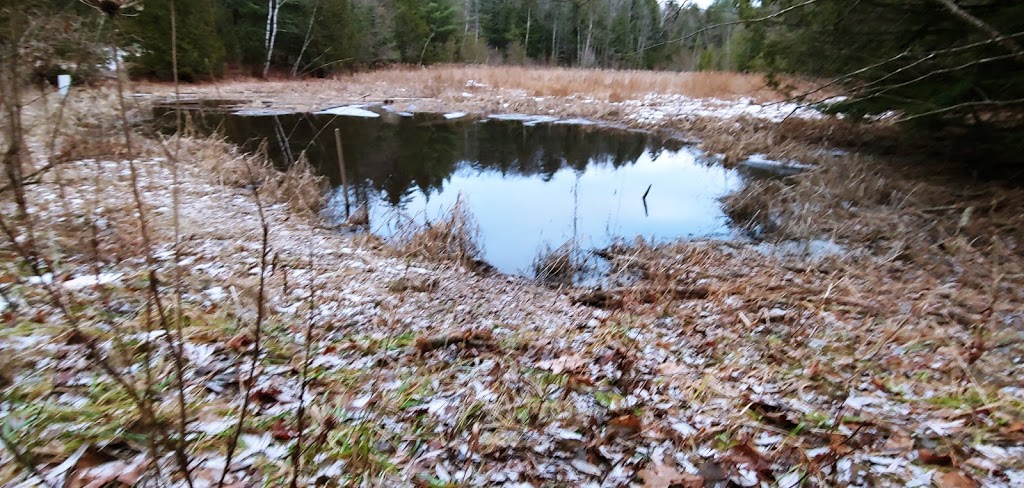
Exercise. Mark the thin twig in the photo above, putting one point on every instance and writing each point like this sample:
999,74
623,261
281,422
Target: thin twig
300,415
260,308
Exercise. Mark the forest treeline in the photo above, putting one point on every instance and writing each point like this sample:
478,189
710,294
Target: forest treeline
319,37
939,64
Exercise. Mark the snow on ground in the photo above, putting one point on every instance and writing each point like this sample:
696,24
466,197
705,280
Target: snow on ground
658,108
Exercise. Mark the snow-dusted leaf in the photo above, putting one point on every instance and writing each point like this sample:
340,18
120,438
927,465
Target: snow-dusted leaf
954,479
572,362
585,467
663,476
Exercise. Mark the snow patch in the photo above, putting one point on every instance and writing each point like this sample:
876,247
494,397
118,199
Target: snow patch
656,107
216,293
781,167
91,280
39,280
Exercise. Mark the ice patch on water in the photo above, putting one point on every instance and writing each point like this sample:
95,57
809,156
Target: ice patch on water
575,122
263,112
349,111
527,120
455,115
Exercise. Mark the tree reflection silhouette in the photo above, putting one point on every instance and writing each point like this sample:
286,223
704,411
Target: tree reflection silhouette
399,156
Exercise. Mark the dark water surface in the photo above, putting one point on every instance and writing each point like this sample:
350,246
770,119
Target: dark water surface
529,185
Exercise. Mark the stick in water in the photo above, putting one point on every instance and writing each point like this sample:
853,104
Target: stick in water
645,199
341,168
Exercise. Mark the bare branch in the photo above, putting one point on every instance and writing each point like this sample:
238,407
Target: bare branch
980,103
981,25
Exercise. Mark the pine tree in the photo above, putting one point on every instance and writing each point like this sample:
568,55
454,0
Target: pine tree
942,65
201,52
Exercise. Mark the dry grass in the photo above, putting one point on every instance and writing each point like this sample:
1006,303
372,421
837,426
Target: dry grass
525,89
450,239
558,266
607,85
298,186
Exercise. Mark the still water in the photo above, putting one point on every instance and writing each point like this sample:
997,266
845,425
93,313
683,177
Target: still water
529,185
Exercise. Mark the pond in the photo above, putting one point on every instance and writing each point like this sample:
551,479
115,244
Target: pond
531,184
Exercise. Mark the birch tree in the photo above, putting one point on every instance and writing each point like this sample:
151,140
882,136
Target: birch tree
273,10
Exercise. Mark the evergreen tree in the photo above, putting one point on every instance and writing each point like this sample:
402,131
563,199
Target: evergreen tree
201,52
956,67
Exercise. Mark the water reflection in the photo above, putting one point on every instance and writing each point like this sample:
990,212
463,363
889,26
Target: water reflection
528,186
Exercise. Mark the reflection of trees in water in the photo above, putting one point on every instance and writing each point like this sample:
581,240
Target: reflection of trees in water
400,156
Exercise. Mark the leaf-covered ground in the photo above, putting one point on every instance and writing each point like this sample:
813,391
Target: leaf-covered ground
886,362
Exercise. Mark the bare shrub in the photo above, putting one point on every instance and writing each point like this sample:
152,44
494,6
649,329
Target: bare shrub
752,207
299,186
450,239
558,266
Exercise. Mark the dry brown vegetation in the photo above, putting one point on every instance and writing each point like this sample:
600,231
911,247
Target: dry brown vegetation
558,266
606,85
450,238
436,81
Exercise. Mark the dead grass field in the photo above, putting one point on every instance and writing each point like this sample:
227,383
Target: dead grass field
606,85
452,84
435,81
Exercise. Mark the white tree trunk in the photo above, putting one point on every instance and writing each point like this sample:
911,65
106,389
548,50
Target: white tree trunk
526,44
305,42
273,7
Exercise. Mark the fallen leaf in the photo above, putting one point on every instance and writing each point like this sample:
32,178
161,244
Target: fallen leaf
929,456
267,394
670,369
123,472
663,476
627,425
955,479
711,472
748,454
982,464
563,364
1013,428
773,414
240,341
282,432
899,442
